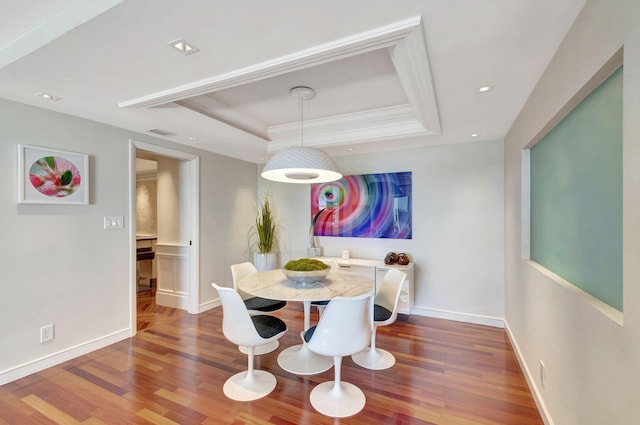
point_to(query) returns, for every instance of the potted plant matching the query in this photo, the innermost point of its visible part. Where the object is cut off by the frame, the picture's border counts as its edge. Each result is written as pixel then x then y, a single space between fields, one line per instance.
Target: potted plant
pixel 264 241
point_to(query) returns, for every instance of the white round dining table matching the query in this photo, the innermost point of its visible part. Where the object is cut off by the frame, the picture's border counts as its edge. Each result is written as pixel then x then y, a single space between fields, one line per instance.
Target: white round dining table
pixel 274 285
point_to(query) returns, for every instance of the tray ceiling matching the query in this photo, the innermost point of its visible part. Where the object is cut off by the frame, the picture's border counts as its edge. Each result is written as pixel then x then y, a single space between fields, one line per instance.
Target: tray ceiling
pixel 386 78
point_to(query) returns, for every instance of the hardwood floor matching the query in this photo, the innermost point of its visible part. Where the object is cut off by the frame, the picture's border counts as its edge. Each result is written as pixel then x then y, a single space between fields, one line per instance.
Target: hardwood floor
pixel 173 370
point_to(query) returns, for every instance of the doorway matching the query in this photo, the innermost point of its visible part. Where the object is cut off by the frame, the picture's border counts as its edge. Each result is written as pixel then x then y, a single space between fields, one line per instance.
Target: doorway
pixel 146 225
pixel 177 243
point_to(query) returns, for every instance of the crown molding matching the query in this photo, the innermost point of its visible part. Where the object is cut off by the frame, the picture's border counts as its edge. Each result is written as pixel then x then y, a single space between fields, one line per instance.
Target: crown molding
pixel 405 43
pixel 382 37
pixel 372 125
pixel 146 169
pixel 142 176
pixel 411 61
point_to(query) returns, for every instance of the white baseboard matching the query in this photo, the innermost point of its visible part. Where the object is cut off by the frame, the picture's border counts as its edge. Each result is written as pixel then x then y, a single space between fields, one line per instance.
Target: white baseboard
pixel 172 299
pixel 209 305
pixel 535 391
pixel 459 317
pixel 498 323
pixel 37 365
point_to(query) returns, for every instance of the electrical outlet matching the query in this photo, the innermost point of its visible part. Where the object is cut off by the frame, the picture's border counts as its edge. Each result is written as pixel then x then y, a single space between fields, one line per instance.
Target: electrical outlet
pixel 46 333
pixel 543 375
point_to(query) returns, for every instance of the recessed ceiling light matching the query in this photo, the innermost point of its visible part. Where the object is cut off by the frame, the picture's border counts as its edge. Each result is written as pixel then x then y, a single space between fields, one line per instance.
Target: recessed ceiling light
pixel 183 46
pixel 49 97
pixel 193 139
pixel 474 135
pixel 349 149
pixel 484 89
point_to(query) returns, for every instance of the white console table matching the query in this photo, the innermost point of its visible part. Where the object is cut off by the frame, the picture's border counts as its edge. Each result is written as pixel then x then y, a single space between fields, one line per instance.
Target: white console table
pixel 376 269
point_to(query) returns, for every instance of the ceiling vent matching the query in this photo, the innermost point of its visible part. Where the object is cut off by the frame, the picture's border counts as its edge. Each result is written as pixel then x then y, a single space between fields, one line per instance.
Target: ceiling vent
pixel 161 132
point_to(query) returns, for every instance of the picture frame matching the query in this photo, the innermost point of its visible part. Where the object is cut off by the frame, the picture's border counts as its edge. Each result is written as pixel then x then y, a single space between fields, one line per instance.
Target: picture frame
pixel 364 206
pixel 52 176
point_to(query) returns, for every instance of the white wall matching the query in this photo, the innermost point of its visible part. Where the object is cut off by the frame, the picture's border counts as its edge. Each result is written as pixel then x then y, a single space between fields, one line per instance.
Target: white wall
pixel 59 266
pixel 592 362
pixel 458 229
pixel 227 210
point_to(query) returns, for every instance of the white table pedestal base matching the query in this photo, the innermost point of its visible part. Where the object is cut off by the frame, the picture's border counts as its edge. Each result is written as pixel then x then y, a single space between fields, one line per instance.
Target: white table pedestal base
pixel 300 360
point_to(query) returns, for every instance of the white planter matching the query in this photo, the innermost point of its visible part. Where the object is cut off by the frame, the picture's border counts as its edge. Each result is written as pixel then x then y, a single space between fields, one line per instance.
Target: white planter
pixel 264 262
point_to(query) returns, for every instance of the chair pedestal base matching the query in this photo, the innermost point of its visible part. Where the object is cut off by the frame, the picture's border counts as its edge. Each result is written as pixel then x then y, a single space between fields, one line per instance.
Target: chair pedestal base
pixel 346 400
pixel 302 361
pixel 242 387
pixel 375 359
pixel 261 349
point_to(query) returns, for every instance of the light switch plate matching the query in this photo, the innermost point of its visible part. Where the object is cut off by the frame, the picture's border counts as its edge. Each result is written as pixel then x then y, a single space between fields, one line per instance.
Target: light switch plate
pixel 114 222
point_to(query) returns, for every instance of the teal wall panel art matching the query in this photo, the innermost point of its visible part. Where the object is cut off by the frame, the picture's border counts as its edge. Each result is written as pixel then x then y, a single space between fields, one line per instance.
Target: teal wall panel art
pixel 576 195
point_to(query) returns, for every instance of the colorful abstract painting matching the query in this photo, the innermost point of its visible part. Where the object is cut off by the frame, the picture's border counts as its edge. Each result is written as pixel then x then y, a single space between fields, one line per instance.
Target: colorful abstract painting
pixel 363 206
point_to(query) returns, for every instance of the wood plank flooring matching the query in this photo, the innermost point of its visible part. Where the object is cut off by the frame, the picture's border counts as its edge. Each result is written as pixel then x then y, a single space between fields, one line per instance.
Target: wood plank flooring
pixel 172 373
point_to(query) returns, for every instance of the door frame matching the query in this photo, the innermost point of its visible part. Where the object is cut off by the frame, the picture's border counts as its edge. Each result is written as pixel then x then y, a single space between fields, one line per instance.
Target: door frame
pixel 193 200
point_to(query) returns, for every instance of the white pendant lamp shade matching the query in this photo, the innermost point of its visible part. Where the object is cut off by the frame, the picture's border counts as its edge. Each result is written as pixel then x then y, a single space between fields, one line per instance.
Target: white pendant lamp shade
pixel 301 164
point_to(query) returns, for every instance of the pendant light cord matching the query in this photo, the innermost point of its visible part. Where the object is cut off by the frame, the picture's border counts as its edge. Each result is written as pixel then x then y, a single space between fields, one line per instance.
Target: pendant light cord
pixel 303 93
pixel 301 113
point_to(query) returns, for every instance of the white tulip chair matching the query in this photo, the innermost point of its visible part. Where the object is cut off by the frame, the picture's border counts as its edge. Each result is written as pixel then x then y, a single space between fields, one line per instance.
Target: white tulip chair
pixel 239 327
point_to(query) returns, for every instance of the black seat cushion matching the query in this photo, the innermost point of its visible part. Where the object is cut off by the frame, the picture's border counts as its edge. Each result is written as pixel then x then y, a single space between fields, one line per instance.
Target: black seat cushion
pixel 268 326
pixel 380 314
pixel 264 304
pixel 323 302
pixel 309 333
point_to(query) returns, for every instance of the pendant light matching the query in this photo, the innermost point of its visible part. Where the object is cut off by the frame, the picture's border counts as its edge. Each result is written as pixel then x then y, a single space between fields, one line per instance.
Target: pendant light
pixel 301 164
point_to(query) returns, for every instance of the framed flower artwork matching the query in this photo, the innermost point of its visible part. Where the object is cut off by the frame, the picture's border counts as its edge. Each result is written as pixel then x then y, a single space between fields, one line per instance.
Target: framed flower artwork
pixel 48 176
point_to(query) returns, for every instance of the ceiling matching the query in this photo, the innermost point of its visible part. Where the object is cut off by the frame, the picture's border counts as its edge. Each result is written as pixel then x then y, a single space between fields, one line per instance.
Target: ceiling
pixel 386 77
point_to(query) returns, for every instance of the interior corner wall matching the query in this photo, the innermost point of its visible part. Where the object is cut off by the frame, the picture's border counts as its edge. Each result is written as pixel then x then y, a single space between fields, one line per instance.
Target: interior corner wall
pixel 591 361
pixel 170 215
pixel 457 243
pixel 59 265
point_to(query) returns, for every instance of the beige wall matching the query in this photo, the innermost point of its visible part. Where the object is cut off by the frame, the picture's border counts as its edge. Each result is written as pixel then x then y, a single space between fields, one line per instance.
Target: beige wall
pixel 146 207
pixel 173 217
pixel 591 357
pixel 59 265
